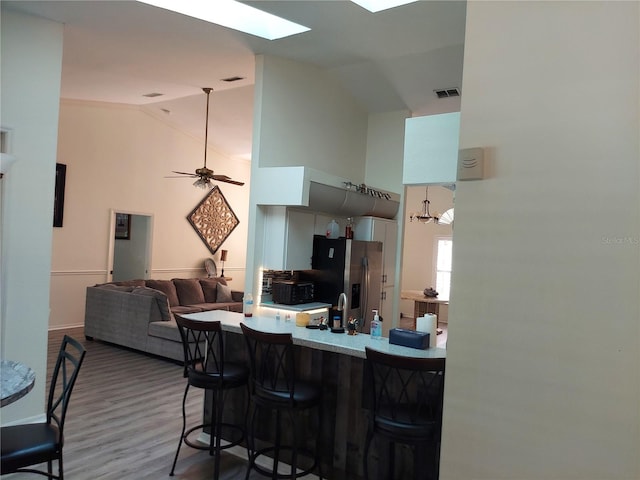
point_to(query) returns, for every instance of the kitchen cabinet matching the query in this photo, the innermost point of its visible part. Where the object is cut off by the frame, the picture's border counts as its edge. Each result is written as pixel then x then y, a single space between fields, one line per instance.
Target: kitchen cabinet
pixel 288 239
pixel 385 231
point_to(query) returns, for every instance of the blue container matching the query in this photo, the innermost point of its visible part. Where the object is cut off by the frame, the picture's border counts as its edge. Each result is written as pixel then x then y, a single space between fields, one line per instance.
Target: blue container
pixel 409 338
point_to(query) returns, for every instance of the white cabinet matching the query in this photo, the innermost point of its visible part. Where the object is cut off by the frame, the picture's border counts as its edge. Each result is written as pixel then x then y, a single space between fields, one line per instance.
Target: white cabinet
pixel 385 231
pixel 288 239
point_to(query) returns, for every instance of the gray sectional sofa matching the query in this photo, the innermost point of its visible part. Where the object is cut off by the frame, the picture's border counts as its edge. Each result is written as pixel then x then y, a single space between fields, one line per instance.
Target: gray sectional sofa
pixel 139 314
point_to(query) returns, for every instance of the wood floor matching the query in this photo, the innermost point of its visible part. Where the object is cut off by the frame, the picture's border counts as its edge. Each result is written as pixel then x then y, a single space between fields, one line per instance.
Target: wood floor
pixel 124 419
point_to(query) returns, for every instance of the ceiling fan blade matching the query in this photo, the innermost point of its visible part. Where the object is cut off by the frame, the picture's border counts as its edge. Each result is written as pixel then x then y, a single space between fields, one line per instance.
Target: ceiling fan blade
pixel 185 173
pixel 226 179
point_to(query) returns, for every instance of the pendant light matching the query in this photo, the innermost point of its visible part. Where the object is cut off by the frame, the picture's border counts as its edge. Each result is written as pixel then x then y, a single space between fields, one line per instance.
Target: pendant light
pixel 425 216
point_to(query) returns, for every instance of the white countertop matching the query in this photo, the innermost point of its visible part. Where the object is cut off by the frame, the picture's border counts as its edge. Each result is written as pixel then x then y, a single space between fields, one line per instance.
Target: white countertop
pixel 319 339
pixel 301 307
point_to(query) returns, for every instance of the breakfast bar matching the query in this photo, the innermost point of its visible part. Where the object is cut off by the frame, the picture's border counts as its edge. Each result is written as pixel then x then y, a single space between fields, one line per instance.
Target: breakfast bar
pixel 335 360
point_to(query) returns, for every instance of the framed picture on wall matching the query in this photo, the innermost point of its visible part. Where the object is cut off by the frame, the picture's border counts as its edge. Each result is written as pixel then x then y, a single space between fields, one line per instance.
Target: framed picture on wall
pixel 123 226
pixel 58 197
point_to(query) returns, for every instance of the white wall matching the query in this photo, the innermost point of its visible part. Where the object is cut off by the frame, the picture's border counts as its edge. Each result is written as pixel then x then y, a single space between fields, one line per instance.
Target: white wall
pixel 302 117
pixel 117 158
pixel 31 59
pixel 385 150
pixel 306 118
pixel 544 337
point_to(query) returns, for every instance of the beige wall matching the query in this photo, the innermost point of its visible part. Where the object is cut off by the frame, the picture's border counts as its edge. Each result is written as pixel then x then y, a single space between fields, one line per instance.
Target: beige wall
pixel 544 333
pixel 117 157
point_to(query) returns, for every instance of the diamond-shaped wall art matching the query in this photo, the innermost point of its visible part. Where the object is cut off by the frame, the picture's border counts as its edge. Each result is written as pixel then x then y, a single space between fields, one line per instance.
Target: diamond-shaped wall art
pixel 213 220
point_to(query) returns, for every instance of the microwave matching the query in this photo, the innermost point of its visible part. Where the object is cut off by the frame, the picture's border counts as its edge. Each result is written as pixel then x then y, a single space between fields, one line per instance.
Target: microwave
pixel 292 292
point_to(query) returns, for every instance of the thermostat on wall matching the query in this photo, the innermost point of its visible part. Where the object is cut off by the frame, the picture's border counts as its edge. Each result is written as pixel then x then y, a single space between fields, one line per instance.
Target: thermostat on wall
pixel 471 164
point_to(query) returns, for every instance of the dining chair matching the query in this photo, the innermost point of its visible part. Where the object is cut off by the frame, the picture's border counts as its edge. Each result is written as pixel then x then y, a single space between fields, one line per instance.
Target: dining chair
pixel 406 397
pixel 205 367
pixel 27 445
pixel 274 386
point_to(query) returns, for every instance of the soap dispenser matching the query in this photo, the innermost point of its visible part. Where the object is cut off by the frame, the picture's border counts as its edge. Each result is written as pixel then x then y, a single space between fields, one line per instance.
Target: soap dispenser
pixel 376 326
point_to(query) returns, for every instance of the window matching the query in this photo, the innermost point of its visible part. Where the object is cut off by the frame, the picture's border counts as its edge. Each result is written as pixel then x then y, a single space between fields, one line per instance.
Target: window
pixel 444 248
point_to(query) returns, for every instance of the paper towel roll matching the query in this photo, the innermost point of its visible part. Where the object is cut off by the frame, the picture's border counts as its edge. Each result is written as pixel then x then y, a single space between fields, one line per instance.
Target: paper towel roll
pixel 428 324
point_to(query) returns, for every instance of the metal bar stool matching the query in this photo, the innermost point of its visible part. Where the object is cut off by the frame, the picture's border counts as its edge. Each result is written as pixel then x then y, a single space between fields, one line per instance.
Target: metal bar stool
pixel 273 386
pixel 407 397
pixel 205 367
pixel 29 444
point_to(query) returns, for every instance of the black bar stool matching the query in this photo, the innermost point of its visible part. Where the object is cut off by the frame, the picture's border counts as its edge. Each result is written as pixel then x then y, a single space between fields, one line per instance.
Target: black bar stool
pixel 205 367
pixel 407 397
pixel 30 444
pixel 274 386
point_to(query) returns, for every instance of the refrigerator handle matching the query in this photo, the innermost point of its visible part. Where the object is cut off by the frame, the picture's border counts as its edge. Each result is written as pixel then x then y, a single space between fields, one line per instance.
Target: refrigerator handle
pixel 365 293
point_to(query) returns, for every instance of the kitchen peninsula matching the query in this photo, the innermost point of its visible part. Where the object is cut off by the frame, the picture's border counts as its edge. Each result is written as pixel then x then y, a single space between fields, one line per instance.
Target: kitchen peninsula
pixel 332 359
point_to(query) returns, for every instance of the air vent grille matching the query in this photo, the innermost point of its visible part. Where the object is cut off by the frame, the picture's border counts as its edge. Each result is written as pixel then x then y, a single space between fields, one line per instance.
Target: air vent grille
pixel 447 92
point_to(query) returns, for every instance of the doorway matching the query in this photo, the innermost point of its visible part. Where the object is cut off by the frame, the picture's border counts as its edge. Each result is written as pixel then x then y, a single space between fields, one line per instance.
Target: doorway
pixel 129 245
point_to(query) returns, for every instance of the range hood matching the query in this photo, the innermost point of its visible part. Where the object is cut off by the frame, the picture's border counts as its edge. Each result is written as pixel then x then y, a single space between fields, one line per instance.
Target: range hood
pixel 306 188
pixel 349 202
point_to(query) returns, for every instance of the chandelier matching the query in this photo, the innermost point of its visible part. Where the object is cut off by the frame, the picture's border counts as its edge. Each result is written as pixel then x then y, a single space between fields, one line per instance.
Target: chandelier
pixel 425 215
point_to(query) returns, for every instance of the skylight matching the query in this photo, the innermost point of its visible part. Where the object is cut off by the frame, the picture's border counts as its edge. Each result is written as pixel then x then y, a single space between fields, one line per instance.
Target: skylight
pixel 378 5
pixel 232 14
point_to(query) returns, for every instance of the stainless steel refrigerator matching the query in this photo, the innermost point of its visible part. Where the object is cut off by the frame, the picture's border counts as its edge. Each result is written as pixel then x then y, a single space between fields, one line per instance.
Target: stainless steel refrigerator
pixel 350 266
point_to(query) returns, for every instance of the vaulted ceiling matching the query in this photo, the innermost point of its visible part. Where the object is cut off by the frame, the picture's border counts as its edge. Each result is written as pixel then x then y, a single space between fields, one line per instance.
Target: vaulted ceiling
pixel 119 51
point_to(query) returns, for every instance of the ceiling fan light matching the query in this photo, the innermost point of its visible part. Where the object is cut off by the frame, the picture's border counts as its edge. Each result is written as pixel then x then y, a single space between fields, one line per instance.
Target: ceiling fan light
pixel 203 183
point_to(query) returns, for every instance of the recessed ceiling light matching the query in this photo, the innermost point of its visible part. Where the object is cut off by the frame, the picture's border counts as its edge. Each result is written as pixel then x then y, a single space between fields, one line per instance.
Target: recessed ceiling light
pixel 232 14
pixel 378 5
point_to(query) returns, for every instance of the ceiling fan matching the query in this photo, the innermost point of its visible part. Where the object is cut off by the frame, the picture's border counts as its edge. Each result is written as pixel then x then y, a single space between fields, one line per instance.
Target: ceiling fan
pixel 205 175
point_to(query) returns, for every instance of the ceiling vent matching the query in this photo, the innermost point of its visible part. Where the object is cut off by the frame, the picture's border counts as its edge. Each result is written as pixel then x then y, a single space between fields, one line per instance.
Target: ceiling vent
pixel 447 92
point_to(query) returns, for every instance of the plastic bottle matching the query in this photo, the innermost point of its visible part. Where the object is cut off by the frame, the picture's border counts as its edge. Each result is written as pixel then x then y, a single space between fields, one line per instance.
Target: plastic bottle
pixel 348 231
pixel 376 327
pixel 248 305
pixel 333 229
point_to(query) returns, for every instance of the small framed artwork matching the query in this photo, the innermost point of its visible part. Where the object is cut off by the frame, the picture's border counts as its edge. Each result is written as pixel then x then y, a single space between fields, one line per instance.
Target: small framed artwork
pixel 58 197
pixel 123 226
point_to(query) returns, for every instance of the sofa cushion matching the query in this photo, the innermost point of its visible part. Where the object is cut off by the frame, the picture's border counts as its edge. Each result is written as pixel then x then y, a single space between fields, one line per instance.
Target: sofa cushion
pixel 167 330
pixel 189 291
pixel 124 283
pixel 182 309
pixel 167 287
pixel 224 294
pixel 161 299
pixel 117 288
pixel 210 288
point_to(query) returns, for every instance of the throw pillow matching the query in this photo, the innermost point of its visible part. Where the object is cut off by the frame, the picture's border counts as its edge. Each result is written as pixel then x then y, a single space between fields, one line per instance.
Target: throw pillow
pixel 168 288
pixel 189 291
pixel 210 289
pixel 224 293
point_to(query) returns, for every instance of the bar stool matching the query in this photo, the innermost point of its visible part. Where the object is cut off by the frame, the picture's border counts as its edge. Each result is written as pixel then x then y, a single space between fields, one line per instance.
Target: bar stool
pixel 273 385
pixel 406 395
pixel 205 367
